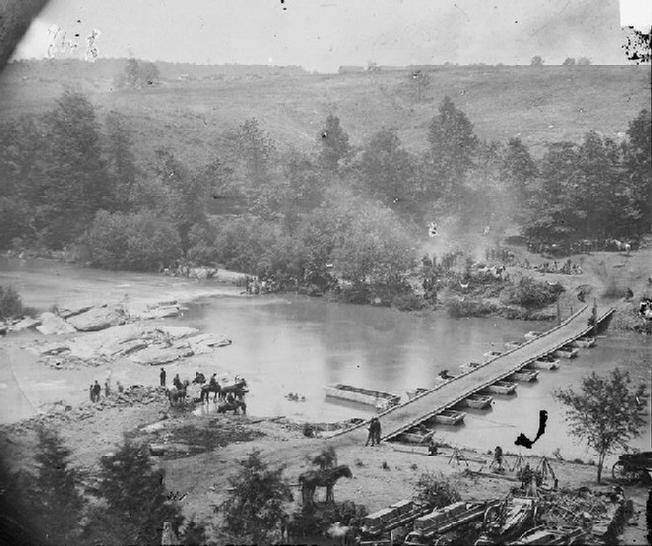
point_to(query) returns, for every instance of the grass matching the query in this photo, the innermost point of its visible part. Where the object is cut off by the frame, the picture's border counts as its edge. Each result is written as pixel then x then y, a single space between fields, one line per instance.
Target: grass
pixel 538 104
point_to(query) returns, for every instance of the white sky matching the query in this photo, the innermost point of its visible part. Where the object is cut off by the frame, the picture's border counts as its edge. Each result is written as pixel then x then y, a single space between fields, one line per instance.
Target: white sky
pixel 323 34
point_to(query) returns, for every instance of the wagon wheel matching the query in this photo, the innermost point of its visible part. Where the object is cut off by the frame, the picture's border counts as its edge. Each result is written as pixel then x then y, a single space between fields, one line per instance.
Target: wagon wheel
pixel 624 475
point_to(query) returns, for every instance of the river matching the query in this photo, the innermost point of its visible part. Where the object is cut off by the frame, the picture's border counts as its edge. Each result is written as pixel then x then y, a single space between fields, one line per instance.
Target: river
pixel 297 344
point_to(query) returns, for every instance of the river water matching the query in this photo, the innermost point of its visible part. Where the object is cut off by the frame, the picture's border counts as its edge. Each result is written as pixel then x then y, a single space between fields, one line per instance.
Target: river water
pixel 297 344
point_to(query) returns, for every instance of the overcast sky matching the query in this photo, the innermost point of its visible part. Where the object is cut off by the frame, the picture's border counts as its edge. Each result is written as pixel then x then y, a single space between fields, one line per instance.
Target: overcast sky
pixel 323 34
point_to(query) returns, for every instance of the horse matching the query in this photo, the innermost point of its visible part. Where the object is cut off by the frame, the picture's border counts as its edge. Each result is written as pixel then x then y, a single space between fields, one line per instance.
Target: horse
pixel 621 245
pixel 233 406
pixel 312 479
pixel 210 388
pixel 239 388
pixel 176 394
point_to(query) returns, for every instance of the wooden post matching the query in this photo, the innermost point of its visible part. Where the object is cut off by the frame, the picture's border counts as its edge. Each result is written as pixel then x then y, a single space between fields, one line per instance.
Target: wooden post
pixel 558 313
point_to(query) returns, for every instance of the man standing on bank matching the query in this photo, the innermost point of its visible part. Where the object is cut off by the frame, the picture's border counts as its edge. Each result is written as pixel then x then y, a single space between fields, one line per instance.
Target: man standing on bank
pixel 162 375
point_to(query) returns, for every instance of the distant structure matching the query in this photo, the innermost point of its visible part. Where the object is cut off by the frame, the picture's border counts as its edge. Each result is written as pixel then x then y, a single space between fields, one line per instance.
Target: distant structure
pixel 350 69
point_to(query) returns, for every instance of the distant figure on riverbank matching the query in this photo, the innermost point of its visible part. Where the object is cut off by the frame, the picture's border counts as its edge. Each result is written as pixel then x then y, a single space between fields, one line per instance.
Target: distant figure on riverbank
pixel 97 390
pixel 90 393
pixel 162 376
pixel 107 389
pixel 498 458
pixel 121 389
pixel 374 432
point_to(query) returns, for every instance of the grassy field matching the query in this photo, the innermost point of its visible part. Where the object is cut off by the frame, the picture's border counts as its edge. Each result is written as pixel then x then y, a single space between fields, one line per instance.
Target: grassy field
pixel 537 104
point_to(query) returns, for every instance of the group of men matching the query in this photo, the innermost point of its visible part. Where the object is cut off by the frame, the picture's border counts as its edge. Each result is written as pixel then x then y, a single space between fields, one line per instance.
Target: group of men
pixel 95 390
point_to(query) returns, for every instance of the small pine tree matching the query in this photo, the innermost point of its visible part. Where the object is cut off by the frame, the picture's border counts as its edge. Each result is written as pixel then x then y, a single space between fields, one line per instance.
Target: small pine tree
pixel 134 498
pixel 54 494
pixel 253 511
pixel 16 513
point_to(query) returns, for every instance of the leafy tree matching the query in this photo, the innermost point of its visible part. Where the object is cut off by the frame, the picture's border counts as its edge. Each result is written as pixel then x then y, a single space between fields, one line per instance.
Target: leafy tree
pixel 549 216
pixel 583 61
pixel 333 142
pixel 121 162
pixel 186 194
pixel 253 510
pixel 592 192
pixel 11 304
pixel 373 249
pixel 569 61
pixel 536 61
pixel 21 176
pixel 518 169
pixel 54 495
pixel 76 180
pixel 386 169
pixel 606 413
pixel 256 149
pixel 638 173
pixel 450 156
pixel 133 500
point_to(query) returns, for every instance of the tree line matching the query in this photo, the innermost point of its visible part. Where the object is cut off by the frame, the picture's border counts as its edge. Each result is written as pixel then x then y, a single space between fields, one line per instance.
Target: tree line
pixel 71 179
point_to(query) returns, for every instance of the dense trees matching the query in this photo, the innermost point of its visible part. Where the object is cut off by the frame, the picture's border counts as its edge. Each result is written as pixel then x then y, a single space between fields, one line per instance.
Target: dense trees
pixel 70 178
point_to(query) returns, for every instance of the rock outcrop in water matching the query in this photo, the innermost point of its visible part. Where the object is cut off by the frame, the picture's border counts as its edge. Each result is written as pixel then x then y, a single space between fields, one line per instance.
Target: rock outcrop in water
pixel 140 342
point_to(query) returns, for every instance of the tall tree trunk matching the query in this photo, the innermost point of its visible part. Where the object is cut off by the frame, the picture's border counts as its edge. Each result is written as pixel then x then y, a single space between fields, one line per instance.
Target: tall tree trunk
pixel 601 457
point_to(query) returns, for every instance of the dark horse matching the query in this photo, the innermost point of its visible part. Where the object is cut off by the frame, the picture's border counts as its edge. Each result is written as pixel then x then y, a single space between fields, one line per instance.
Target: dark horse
pixel 176 394
pixel 312 479
pixel 234 405
pixel 238 389
pixel 206 389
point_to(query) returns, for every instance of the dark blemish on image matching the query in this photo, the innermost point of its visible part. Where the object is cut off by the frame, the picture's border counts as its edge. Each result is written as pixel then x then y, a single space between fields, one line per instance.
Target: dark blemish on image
pixel 638 46
pixel 282 4
pixel 324 134
pixel 524 441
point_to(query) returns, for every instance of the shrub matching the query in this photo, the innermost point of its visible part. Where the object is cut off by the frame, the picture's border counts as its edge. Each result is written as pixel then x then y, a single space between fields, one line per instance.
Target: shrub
pixel 468 308
pixel 10 303
pixel 436 490
pixel 533 294
pixel 408 302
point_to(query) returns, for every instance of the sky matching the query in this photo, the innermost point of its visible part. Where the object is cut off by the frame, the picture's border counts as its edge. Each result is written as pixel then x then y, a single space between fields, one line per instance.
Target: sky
pixel 324 34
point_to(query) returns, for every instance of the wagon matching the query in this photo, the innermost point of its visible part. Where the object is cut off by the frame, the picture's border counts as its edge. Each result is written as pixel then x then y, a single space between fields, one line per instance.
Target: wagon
pixel 631 468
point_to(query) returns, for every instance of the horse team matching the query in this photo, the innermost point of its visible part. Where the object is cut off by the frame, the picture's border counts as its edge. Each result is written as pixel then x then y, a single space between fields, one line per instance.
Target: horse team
pixel 230 397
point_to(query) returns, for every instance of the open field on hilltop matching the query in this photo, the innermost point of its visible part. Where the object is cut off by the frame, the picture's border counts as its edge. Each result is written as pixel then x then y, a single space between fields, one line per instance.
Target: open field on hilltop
pixel 537 104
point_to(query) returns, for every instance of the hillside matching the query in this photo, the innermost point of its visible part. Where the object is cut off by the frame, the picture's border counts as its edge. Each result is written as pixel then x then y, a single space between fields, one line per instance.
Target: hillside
pixel 537 104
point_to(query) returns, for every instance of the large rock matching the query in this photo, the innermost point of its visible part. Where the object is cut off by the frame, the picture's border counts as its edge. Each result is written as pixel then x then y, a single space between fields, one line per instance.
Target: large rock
pixel 147 312
pixel 176 332
pixel 160 354
pixel 72 310
pixel 27 322
pixel 52 324
pixel 98 318
pixel 110 341
pixel 205 343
